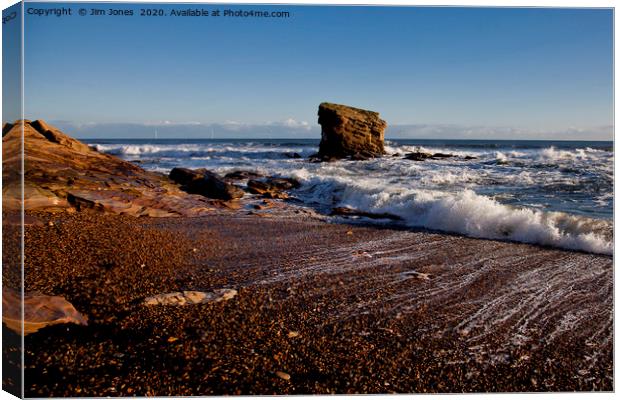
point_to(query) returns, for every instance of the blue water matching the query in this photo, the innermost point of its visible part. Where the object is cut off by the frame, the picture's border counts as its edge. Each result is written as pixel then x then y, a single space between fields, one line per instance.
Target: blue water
pixel 550 192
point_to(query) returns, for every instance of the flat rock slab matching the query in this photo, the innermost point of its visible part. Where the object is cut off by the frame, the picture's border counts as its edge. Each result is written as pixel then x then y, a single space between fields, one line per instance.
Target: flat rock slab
pixel 39 311
pixel 190 297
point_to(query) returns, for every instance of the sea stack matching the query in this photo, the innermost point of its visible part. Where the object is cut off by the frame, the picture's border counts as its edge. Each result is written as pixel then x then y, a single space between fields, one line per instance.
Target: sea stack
pixel 348 132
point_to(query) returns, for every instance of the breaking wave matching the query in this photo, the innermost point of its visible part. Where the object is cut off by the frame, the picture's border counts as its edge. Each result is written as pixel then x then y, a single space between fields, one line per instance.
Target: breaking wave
pixel 200 150
pixel 468 213
pixel 553 194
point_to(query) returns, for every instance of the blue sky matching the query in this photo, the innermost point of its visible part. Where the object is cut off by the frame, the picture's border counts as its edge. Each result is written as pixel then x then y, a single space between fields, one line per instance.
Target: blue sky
pixel 431 72
pixel 11 66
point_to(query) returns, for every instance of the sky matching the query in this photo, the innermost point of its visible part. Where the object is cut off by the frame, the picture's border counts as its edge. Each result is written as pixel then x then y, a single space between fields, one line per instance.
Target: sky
pixel 11 63
pixel 462 73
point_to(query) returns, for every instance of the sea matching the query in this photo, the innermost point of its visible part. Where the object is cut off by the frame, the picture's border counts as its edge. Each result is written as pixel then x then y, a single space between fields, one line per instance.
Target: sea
pixel 550 193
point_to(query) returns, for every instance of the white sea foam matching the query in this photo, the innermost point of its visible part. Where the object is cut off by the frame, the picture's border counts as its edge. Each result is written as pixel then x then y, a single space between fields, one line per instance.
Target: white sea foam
pixel 505 193
pixel 183 150
pixel 501 156
pixel 553 154
pixel 450 177
pixel 467 213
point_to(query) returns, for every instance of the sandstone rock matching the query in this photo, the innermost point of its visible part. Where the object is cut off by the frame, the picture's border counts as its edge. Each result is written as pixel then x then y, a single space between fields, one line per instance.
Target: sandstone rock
pixel 54 135
pixel 190 297
pixel 284 183
pixel 39 311
pixel 241 175
pixel 350 132
pixel 283 375
pixel 205 183
pixel 265 189
pixel 272 188
pixel 6 127
pixel 61 173
pixel 185 176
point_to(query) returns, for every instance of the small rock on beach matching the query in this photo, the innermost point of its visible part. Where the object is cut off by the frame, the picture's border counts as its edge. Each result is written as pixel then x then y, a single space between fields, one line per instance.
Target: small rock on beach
pixel 190 297
pixel 283 375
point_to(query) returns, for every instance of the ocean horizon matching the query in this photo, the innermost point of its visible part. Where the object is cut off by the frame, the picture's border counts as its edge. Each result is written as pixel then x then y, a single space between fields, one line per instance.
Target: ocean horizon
pixel 556 193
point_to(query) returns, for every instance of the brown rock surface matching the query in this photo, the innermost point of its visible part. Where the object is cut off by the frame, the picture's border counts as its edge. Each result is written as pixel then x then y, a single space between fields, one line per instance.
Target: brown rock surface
pixel 350 132
pixel 39 311
pixel 62 173
pixel 272 188
pixel 241 175
pixel 205 183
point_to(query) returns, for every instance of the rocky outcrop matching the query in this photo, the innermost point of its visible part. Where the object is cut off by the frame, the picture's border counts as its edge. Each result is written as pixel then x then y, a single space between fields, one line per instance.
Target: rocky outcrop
pixel 272 188
pixel 55 136
pixel 6 127
pixel 421 156
pixel 242 175
pixel 62 173
pixel 348 132
pixel 205 183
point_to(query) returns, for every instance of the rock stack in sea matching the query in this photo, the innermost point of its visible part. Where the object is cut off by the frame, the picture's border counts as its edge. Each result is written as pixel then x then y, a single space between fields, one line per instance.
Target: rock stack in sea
pixel 348 132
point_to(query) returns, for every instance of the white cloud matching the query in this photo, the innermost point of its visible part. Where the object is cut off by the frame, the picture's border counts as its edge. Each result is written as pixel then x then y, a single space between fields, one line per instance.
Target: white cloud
pixel 292 123
pixel 291 128
pixel 454 131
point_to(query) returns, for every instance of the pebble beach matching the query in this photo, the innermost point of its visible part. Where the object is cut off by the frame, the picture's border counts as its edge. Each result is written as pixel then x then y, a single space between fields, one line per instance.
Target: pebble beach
pixel 321 308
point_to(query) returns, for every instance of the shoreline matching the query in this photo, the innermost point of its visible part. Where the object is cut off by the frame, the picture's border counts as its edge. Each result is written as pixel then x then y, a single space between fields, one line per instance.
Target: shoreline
pixel 467 190
pixel 188 285
pixel 376 310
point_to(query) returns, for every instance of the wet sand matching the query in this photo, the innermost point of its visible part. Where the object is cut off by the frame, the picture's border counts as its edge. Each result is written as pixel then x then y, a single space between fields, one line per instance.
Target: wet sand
pixel 334 308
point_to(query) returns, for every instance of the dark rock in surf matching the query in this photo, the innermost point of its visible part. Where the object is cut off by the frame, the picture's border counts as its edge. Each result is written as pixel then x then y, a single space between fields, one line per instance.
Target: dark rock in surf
pixel 348 132
pixel 205 183
pixel 284 183
pixel 292 155
pixel 317 158
pixel 418 156
pixel 442 155
pixel 273 188
pixel 265 190
pixel 421 156
pixel 184 176
pixel 241 175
